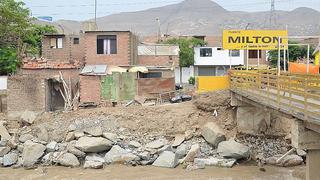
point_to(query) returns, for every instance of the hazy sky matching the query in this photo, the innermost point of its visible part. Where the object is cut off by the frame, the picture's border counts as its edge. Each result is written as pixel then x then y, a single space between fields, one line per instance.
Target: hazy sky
pixel 84 9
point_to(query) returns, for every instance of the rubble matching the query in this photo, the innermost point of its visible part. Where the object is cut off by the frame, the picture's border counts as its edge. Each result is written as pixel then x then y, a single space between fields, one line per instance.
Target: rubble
pixel 25 137
pixel 93 165
pixel 4 151
pixel 28 117
pixel 193 152
pixel 4 132
pixel 10 159
pixel 156 144
pixel 178 140
pixel 32 152
pixel 68 160
pixel 166 159
pixel 219 162
pixel 93 144
pixel 119 155
pixel 287 161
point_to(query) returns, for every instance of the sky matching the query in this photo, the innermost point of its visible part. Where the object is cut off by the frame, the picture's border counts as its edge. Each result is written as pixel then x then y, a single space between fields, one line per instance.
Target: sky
pixel 84 9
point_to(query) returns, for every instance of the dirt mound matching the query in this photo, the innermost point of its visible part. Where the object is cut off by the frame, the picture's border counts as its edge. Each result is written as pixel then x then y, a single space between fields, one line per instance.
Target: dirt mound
pixel 212 101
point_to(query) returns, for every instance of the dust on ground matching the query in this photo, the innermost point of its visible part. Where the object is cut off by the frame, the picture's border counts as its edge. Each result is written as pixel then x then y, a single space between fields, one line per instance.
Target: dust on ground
pixel 120 172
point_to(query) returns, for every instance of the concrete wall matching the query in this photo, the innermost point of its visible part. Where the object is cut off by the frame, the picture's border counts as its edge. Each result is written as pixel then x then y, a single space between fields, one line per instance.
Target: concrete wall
pixel 124 49
pixel 183 74
pixel 155 85
pixel 90 89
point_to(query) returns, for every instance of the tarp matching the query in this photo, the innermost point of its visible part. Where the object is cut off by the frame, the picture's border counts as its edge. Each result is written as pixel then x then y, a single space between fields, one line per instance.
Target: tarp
pixel 302 68
pixel 112 69
pixel 158 50
pixel 94 70
pixel 139 69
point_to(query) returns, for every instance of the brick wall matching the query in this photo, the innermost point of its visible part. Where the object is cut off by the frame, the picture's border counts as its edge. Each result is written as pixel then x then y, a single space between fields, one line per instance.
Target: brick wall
pixel 25 93
pixel 158 60
pixel 68 53
pixel 155 85
pixel 90 89
pixel 124 48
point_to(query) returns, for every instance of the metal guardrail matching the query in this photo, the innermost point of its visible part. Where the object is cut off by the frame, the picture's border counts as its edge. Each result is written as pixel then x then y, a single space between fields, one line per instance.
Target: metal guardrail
pixel 294 94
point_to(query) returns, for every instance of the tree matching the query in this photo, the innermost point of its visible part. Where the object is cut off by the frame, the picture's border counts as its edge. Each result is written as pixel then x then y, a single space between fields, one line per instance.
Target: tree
pixel 18 35
pixel 295 53
pixel 186 46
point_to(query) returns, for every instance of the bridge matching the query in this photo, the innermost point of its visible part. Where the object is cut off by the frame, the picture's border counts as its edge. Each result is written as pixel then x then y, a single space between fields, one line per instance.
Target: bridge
pixel 292 95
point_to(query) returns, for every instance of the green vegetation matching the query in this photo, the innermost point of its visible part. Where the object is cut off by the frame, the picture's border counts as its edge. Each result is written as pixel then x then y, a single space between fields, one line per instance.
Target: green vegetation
pixel 186 46
pixel 18 35
pixel 192 80
pixel 295 53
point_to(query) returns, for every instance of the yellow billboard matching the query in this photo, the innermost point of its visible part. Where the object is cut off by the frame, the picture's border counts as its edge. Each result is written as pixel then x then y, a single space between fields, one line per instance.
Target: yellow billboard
pixel 254 39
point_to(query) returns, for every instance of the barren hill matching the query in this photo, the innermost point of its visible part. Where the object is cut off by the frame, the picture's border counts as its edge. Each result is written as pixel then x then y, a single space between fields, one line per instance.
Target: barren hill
pixel 203 17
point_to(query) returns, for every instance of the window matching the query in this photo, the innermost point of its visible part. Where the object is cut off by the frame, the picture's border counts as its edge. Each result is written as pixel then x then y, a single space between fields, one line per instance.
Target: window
pixel 56 43
pixel 107 44
pixel 150 75
pixel 254 53
pixel 206 52
pixel 76 40
pixel 206 71
pixel 234 53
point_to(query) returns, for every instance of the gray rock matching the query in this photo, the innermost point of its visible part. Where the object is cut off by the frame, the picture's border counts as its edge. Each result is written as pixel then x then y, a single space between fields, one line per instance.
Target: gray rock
pixel 42 134
pixel 4 132
pixel 4 151
pixel 68 160
pixel 196 166
pixel 233 149
pixel 166 159
pixel 188 135
pixel 25 137
pixel 52 146
pixel 178 140
pixel 301 153
pixel 145 155
pixel 28 117
pixel 219 162
pixel 181 151
pixel 94 131
pixel 93 144
pixel 193 153
pixel 288 161
pixel 31 153
pixel 1 161
pixel 10 159
pixel 74 150
pixel 20 148
pixel 134 144
pixel 157 144
pixel 70 136
pixel 3 142
pixel 118 155
pixel 111 136
pixel 213 134
pixel 78 134
pixel 93 165
pixel 94 158
pixel 165 148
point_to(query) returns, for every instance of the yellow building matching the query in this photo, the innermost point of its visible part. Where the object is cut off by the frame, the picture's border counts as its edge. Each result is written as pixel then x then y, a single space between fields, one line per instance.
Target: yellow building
pixel 317 55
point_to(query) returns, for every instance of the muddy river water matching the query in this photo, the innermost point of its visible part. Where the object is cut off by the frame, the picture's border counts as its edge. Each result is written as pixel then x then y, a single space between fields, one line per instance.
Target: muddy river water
pixel 119 172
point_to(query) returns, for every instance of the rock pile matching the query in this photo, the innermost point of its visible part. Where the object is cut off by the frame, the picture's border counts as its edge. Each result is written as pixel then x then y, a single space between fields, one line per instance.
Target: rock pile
pixel 94 147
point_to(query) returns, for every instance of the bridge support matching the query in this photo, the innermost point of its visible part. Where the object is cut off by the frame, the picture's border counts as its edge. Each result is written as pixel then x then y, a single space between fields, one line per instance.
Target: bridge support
pixel 313 164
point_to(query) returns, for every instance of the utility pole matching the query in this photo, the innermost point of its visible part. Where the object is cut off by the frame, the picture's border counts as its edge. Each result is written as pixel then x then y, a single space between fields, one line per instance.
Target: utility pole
pixel 272 18
pixel 95 12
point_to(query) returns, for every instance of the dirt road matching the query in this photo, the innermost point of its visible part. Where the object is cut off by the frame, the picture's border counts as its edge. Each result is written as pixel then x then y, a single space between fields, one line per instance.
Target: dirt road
pixel 118 172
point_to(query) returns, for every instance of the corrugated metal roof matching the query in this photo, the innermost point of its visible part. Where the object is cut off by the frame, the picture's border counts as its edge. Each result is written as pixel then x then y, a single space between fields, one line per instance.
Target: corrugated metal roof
pixel 94 70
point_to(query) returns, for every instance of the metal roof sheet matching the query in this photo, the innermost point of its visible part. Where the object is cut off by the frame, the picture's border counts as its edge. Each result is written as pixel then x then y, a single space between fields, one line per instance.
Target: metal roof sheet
pixel 94 70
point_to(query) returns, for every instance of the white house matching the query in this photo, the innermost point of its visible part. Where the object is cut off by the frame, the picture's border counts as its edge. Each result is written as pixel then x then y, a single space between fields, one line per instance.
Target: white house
pixel 215 61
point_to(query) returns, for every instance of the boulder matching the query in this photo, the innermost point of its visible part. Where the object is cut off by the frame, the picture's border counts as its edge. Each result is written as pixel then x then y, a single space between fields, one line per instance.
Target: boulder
pixel 78 134
pixel 233 149
pixel 193 153
pixel 119 155
pixel 93 165
pixel 301 153
pixel 213 134
pixel 28 117
pixel 93 144
pixel 287 161
pixel 25 137
pixel 52 146
pixel 157 144
pixel 164 148
pixel 10 159
pixel 74 150
pixel 219 162
pixel 95 158
pixel 4 151
pixel 111 136
pixel 181 151
pixel 70 136
pixel 94 131
pixel 68 160
pixel 31 153
pixel 145 155
pixel 134 144
pixel 166 159
pixel 1 161
pixel 178 140
pixel 4 134
pixel 42 134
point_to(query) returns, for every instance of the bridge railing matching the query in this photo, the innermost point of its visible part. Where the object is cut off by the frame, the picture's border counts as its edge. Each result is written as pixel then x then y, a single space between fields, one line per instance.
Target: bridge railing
pixel 295 94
